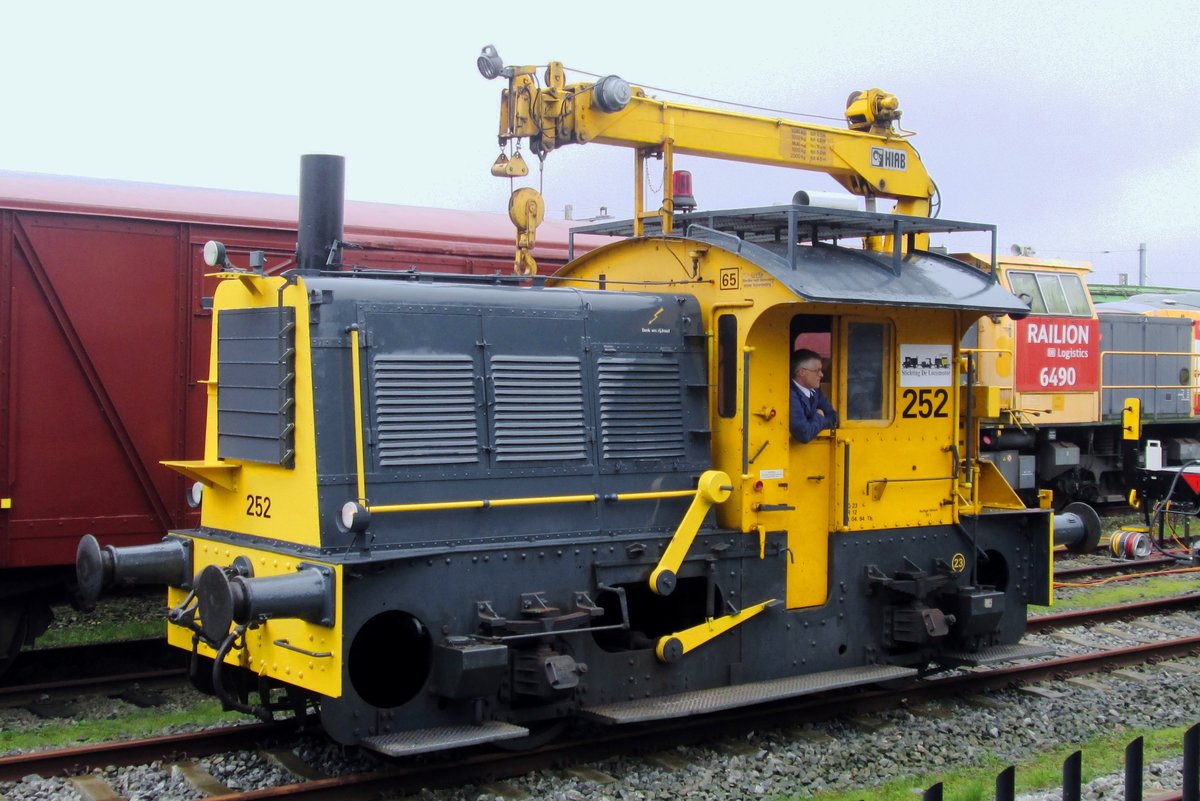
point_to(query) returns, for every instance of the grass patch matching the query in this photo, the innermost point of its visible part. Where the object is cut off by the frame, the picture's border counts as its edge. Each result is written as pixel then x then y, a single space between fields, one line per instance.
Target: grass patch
pixel 142 723
pixel 1101 756
pixel 115 618
pixel 109 631
pixel 1124 592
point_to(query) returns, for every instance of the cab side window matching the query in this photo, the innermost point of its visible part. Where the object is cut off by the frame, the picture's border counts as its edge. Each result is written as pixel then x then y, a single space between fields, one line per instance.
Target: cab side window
pixel 815 332
pixel 868 345
pixel 1051 293
pixel 727 365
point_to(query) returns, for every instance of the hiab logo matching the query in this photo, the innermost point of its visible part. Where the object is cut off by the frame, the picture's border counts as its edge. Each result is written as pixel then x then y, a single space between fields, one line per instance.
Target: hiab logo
pixel 886 158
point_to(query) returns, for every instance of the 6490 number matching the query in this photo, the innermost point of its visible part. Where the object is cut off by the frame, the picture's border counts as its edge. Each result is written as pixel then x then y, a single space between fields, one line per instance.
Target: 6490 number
pixel 1057 376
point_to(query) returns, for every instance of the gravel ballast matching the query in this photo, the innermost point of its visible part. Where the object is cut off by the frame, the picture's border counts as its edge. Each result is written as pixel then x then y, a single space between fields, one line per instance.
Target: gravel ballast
pixel 918 743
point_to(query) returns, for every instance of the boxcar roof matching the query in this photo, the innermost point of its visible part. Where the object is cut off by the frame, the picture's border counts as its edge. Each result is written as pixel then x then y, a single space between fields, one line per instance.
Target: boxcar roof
pixel 114 198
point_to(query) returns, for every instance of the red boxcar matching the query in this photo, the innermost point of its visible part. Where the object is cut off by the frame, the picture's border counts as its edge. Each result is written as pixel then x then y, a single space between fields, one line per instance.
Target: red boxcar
pixel 104 341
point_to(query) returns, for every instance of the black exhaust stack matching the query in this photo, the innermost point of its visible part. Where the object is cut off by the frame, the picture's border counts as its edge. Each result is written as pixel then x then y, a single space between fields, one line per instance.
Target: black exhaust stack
pixel 322 202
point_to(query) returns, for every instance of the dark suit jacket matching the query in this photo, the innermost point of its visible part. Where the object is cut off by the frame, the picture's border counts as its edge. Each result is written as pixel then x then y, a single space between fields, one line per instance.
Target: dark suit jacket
pixel 805 422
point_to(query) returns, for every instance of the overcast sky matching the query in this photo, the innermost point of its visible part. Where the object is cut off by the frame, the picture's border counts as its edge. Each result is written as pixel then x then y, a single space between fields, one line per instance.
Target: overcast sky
pixel 1071 126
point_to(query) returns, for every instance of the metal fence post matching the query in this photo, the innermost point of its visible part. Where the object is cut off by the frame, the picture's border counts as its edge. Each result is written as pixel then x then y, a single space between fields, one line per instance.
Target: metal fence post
pixel 1191 764
pixel 1072 773
pixel 1006 784
pixel 1134 753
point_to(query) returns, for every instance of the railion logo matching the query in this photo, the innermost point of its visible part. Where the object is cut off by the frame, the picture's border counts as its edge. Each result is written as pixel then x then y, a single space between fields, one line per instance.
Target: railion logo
pixel 1058 333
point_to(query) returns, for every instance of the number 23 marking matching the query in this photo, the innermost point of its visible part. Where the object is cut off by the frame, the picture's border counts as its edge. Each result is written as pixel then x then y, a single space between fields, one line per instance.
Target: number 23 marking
pixel 921 403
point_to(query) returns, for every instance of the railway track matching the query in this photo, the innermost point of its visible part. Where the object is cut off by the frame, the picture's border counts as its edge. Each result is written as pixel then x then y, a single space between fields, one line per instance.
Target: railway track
pixel 92 669
pixel 1074 572
pixel 183 750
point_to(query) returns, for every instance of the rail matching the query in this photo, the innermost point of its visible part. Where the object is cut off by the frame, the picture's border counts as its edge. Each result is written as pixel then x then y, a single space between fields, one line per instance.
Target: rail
pixel 486 503
pixel 1010 352
pixel 1184 384
pixel 1105 366
pixel 475 503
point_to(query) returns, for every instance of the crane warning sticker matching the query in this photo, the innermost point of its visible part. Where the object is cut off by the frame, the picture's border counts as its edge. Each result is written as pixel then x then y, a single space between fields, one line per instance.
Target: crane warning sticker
pixel 1057 354
pixel 924 365
pixel 887 158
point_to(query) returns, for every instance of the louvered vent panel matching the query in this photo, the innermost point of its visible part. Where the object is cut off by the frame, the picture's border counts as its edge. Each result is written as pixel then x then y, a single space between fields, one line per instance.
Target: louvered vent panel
pixel 539 409
pixel 641 411
pixel 425 410
pixel 256 377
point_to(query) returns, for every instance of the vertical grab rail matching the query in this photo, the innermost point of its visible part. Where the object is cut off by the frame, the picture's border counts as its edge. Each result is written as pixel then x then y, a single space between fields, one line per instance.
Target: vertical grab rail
pixel 359 456
pixel 746 410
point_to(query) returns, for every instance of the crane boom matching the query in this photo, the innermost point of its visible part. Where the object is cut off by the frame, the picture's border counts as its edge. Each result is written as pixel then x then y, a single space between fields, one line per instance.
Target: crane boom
pixel 870 158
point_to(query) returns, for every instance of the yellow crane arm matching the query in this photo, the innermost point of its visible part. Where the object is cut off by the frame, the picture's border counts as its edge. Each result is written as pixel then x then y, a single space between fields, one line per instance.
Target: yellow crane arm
pixel 869 158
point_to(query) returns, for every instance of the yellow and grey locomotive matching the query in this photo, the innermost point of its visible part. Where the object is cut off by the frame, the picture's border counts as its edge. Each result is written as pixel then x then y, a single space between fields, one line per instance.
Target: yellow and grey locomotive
pixel 452 510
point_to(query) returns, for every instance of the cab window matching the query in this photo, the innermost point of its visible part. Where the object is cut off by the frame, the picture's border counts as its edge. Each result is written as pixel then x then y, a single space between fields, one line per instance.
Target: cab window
pixel 727 367
pixel 868 345
pixel 1051 293
pixel 815 332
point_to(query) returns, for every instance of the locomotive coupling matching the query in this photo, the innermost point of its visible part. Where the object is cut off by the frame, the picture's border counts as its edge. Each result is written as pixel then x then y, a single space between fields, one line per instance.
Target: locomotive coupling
pixel 1078 528
pixel 166 562
pixel 223 599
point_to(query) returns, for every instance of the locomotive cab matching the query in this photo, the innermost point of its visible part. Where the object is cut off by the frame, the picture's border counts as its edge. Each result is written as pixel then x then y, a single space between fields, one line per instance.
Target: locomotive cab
pixel 886 517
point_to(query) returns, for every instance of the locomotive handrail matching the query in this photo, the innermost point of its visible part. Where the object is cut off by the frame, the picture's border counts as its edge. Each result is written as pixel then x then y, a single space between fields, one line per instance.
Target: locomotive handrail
pixel 356 380
pixel 885 481
pixel 1009 352
pixel 746 351
pixel 486 503
pixel 1156 355
pixel 1149 386
pixel 481 503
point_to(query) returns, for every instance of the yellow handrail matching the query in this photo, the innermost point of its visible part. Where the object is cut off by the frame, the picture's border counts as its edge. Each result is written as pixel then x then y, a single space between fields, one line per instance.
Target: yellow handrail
pixel 481 503
pixel 358 424
pixel 485 503
pixel 1184 353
